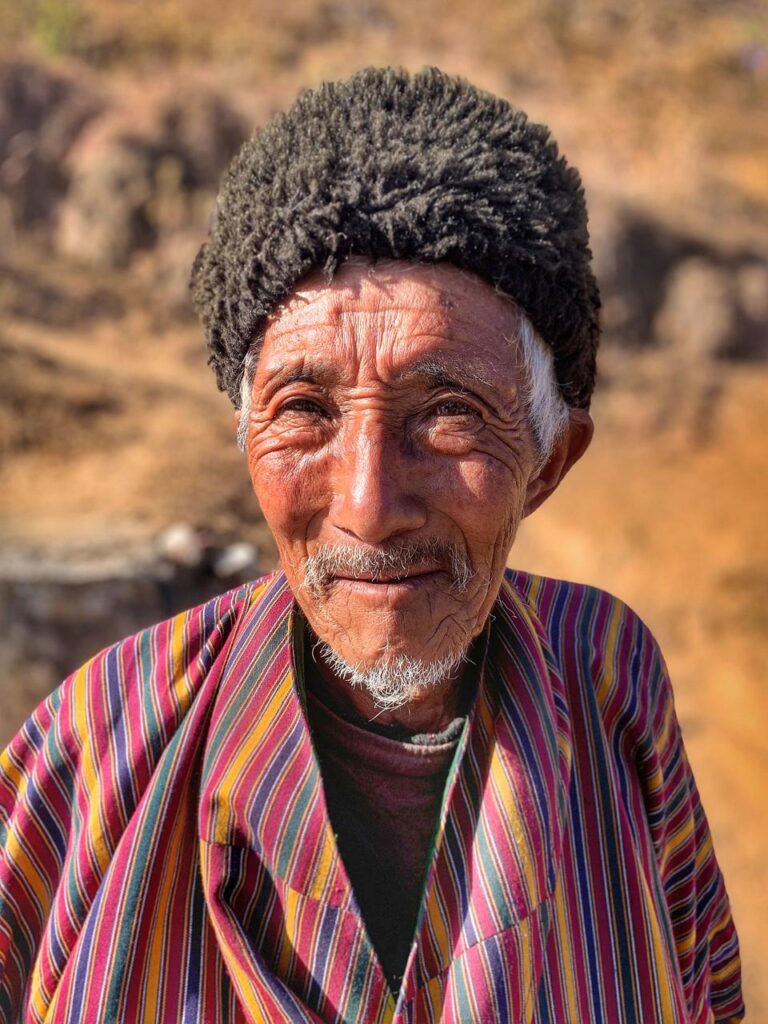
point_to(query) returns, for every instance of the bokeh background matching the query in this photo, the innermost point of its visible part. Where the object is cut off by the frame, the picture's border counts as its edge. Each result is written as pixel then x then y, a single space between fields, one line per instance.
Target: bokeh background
pixel 122 495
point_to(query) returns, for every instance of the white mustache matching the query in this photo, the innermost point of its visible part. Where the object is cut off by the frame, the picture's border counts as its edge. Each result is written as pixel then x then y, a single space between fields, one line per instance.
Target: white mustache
pixel 352 560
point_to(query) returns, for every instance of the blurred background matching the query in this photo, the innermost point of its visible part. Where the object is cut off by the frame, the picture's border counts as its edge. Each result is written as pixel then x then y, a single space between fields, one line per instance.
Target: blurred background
pixel 122 495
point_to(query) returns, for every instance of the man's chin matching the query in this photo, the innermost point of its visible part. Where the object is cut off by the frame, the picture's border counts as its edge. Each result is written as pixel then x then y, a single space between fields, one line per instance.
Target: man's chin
pixel 385 635
pixel 392 680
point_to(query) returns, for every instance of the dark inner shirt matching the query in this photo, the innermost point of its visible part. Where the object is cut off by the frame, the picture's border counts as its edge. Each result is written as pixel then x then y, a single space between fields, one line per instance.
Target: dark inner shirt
pixel 384 797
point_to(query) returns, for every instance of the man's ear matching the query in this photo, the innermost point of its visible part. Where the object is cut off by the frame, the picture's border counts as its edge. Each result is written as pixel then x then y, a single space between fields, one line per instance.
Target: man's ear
pixel 236 421
pixel 568 449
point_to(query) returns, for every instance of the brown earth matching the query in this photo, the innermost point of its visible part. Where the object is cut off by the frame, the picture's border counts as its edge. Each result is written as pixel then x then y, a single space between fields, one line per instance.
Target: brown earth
pixel 110 425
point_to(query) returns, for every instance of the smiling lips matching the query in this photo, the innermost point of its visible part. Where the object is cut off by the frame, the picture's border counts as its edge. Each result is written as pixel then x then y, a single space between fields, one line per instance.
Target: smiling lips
pixel 384 580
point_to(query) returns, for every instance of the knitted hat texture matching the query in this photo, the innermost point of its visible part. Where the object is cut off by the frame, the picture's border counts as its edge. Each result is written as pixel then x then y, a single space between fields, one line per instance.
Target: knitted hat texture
pixel 421 167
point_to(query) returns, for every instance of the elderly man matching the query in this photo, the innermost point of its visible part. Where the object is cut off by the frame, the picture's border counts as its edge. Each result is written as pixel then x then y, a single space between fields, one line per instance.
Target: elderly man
pixel 393 781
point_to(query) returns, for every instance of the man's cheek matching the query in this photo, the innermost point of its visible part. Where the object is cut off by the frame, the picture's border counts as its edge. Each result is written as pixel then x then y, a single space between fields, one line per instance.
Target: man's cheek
pixel 486 504
pixel 288 494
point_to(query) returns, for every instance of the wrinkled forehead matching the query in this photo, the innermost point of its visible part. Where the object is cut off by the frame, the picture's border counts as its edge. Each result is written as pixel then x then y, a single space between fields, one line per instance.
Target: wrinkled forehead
pixel 392 312
pixel 359 283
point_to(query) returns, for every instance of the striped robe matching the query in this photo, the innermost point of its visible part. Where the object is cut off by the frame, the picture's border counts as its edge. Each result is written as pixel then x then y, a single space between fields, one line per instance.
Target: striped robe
pixel 167 852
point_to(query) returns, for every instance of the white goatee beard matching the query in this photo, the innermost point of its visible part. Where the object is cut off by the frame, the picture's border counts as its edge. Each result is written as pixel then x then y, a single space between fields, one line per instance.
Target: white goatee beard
pixel 393 681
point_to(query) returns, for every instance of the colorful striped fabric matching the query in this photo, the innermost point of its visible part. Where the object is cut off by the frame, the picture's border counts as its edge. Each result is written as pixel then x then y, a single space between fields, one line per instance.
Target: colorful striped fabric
pixel 167 853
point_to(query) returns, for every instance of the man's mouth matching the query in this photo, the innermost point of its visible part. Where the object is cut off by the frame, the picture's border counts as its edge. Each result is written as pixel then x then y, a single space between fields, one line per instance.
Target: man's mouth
pixel 412 578
pixel 398 570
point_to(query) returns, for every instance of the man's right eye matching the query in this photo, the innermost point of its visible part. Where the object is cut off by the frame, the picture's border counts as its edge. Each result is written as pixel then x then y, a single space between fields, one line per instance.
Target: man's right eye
pixel 301 405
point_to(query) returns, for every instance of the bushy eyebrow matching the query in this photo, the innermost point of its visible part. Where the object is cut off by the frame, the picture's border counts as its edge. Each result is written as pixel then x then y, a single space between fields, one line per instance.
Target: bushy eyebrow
pixel 448 374
pixel 435 372
pixel 302 373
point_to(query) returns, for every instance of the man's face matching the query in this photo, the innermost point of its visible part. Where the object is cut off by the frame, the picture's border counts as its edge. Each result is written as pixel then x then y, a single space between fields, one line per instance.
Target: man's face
pixel 389 449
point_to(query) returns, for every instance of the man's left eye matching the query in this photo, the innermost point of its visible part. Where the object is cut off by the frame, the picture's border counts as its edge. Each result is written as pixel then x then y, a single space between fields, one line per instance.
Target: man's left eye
pixel 454 407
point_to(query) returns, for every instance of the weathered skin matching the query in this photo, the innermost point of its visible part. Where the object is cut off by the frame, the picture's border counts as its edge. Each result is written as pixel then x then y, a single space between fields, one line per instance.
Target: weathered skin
pixel 387 407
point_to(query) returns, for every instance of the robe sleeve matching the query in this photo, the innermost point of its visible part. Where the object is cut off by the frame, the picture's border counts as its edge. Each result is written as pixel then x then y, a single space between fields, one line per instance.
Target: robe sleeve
pixel 34 824
pixel 703 929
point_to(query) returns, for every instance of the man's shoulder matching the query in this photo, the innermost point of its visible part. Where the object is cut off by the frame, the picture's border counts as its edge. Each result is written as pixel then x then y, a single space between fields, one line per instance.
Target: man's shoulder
pixel 601 648
pixel 124 705
pixel 547 596
pixel 160 668
pixel 589 626
pixel 186 633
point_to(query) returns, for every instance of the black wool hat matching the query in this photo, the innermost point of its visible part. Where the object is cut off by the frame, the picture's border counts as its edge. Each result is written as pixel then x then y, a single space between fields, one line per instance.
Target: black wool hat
pixel 420 167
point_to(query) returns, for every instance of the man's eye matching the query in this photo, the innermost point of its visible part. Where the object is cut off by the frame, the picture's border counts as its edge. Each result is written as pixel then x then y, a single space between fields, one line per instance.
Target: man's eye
pixel 454 407
pixel 301 405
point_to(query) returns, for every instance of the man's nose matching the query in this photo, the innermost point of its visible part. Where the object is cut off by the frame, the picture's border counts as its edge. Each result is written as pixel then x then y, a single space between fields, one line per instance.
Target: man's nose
pixel 375 485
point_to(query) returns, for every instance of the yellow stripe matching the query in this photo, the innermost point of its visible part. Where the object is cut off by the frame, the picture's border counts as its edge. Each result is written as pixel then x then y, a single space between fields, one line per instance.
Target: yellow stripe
pixel 25 867
pixel 508 803
pixel 662 740
pixel 157 951
pixel 436 925
pixel 325 865
pixel 535 589
pixel 704 851
pixel 18 778
pixel 91 774
pixel 658 949
pixel 607 680
pixel 526 946
pixel 292 904
pixel 235 772
pixel 181 688
pixel 564 942
pixel 676 841
pixel 435 995
pixel 40 995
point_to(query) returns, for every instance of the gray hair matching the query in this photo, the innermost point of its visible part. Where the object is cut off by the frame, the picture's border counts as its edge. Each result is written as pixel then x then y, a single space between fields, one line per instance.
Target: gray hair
pixel 545 407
